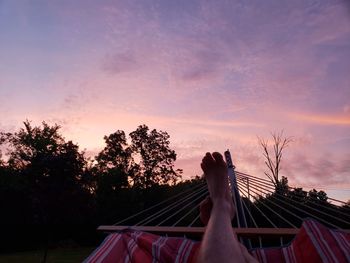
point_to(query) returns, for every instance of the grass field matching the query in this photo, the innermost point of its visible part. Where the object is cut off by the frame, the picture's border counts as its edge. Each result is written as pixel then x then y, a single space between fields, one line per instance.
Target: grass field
pixel 60 255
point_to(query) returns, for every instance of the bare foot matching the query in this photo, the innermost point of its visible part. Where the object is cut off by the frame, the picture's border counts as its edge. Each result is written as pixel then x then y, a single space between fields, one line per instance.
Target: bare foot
pixel 215 172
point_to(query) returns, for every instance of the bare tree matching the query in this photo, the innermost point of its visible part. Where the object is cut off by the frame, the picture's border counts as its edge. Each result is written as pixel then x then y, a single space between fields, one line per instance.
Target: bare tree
pixel 273 157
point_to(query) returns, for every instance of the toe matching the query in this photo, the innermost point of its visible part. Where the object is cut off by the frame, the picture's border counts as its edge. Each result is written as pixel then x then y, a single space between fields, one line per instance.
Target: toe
pixel 207 160
pixel 218 157
pixel 208 157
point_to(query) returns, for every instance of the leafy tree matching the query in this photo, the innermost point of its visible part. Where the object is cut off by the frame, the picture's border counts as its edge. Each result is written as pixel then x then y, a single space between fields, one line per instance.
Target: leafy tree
pixel 113 162
pixel 111 172
pixel 282 186
pixel 156 159
pixel 317 196
pixel 298 195
pixel 51 170
pixel 121 170
pixel 31 143
pixel 43 182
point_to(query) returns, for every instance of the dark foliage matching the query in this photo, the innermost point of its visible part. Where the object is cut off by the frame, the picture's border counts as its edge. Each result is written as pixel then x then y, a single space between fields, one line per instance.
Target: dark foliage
pixel 295 205
pixel 156 165
pixel 50 191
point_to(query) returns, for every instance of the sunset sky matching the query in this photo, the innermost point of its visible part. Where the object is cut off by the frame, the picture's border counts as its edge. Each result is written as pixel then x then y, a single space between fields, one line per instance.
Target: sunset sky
pixel 213 74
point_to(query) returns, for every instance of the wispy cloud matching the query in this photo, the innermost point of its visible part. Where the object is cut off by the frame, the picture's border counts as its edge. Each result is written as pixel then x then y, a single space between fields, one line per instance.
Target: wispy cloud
pixel 119 63
pixel 339 119
pixel 327 169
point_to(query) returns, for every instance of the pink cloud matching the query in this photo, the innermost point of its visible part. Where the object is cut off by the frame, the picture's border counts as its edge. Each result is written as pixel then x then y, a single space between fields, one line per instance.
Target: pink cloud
pixel 214 75
pixel 319 119
pixel 327 169
pixel 120 63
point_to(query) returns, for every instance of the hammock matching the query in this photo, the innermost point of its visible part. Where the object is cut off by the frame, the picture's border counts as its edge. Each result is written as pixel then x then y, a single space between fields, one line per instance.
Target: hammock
pixel 313 243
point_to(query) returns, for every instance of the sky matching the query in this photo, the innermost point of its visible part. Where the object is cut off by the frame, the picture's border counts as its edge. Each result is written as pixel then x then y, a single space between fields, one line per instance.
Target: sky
pixel 214 74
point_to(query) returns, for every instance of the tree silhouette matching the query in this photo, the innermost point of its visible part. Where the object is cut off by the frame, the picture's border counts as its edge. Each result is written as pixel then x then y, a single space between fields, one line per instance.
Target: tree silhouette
pixel 2 141
pixel 44 187
pixel 273 158
pixel 130 173
pixel 51 169
pixel 111 173
pixel 153 158
pixel 317 196
pixel 113 162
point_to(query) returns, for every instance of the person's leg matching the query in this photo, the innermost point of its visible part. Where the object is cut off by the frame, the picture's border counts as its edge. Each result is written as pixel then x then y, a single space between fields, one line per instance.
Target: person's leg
pixel 219 243
pixel 205 209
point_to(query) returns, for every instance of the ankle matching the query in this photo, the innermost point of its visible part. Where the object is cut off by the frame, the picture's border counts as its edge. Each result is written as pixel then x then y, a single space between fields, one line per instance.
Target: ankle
pixel 222 204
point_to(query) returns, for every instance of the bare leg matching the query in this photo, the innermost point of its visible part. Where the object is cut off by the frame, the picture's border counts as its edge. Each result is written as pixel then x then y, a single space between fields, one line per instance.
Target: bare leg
pixel 205 209
pixel 219 243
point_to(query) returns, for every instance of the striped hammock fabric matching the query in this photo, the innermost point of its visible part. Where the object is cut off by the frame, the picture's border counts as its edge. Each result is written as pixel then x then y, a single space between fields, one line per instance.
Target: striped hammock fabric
pixel 313 243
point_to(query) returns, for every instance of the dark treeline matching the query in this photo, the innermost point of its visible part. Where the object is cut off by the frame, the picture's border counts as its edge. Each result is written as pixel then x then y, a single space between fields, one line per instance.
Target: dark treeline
pixel 286 207
pixel 51 192
pixel 294 205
